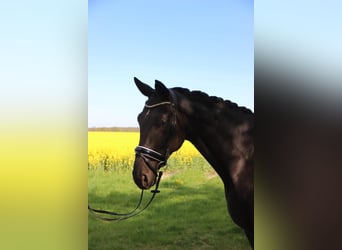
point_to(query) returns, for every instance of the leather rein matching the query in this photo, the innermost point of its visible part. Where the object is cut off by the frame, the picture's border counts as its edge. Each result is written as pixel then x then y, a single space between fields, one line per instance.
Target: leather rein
pixel 146 154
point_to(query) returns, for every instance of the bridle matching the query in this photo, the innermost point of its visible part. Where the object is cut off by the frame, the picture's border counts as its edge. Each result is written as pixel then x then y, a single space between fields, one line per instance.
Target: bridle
pixel 146 154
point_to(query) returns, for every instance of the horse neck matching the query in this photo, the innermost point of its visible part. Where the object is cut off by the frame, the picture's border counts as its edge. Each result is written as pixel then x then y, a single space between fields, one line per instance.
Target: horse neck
pixel 215 136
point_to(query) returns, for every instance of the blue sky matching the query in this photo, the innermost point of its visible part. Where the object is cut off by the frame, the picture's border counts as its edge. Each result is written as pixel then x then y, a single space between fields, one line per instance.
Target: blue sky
pixel 200 45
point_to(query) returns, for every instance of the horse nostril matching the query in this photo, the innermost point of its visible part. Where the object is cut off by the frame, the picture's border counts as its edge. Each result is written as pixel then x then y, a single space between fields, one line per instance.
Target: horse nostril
pixel 144 181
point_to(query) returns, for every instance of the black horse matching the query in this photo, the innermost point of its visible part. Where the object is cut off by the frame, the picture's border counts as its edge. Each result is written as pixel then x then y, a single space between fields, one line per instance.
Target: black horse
pixel 220 130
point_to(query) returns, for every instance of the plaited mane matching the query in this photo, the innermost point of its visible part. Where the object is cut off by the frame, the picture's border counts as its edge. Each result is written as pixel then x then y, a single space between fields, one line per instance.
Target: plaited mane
pixel 204 98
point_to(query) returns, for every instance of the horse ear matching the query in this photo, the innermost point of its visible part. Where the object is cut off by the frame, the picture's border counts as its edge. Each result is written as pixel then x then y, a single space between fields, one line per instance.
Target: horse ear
pixel 143 87
pixel 161 88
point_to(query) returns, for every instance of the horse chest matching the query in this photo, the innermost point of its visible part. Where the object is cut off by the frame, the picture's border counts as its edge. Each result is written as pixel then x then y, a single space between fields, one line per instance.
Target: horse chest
pixel 240 211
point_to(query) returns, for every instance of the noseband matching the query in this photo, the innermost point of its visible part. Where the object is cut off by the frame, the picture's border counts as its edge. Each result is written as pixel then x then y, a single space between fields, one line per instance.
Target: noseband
pixel 147 153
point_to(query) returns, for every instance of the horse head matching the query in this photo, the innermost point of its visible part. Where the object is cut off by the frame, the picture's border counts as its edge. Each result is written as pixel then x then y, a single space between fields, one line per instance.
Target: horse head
pixel 160 132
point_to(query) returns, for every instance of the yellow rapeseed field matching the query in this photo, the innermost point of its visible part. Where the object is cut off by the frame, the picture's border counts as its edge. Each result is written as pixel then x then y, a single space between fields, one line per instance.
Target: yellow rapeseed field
pixel 115 151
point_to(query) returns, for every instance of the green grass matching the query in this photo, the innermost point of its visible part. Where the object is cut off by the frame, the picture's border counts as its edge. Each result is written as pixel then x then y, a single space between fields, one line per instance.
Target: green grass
pixel 189 213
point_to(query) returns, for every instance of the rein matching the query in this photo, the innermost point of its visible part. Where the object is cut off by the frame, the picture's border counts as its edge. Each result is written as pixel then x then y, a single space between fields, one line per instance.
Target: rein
pixel 146 154
pixel 134 212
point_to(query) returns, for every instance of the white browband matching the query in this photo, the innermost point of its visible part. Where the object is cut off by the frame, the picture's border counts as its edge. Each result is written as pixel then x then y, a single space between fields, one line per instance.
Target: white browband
pixel 157 104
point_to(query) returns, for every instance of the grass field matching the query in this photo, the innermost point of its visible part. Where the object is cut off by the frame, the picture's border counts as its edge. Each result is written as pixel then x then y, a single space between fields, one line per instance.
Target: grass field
pixel 189 213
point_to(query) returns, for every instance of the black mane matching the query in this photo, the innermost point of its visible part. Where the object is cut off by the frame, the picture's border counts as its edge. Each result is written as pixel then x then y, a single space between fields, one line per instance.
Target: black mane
pixel 211 100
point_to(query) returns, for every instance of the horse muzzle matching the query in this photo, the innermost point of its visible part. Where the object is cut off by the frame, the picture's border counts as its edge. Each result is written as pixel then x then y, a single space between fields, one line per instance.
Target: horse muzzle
pixel 143 177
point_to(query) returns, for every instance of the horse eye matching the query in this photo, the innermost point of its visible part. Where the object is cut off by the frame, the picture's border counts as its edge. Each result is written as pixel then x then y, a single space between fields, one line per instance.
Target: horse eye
pixel 163 121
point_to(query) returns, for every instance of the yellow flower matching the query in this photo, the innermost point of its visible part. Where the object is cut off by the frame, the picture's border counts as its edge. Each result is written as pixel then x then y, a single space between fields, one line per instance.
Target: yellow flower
pixel 115 151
